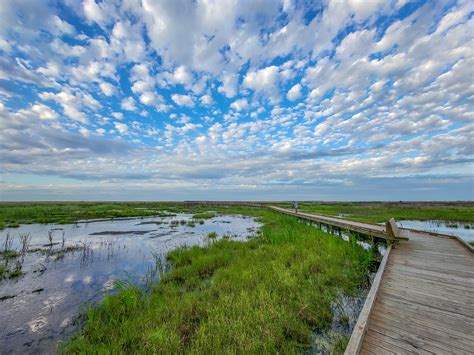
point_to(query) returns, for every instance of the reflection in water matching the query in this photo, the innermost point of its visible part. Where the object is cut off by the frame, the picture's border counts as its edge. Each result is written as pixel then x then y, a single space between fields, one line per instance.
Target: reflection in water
pixel 69 267
pixel 462 230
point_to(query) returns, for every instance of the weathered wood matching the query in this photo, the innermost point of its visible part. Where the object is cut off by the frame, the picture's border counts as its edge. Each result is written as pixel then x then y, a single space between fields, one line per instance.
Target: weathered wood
pixel 372 230
pixel 355 342
pixel 392 229
pixel 425 301
pixel 421 300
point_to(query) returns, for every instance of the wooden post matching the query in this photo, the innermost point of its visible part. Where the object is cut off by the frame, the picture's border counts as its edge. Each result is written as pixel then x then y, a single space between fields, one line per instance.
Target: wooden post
pixel 392 229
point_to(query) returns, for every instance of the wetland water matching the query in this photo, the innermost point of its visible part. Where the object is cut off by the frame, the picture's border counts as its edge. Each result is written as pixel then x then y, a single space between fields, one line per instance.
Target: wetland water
pixel 41 307
pixel 462 230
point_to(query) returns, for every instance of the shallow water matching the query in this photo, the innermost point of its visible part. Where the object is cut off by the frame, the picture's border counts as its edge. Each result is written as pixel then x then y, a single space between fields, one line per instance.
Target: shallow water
pixel 46 300
pixel 462 230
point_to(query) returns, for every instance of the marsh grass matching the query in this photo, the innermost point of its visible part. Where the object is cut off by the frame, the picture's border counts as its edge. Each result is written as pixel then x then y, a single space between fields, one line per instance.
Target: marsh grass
pixel 12 214
pixel 269 294
pixel 380 212
pixel 204 215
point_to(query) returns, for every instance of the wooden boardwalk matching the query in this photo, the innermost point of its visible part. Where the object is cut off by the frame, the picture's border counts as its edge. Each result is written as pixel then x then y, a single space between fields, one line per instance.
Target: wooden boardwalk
pixel 425 300
pixel 374 230
pixel 422 298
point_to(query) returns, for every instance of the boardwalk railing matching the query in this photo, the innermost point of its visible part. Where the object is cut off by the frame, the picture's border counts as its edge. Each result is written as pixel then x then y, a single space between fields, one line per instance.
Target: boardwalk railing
pixel 421 298
pixel 355 342
pixel 373 230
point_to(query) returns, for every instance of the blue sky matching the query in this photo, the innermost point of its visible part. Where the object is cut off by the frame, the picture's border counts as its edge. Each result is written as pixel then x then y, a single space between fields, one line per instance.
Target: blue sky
pixel 258 99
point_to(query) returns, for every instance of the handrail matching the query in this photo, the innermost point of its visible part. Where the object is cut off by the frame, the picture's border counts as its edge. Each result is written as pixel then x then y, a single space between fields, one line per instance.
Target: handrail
pixel 355 342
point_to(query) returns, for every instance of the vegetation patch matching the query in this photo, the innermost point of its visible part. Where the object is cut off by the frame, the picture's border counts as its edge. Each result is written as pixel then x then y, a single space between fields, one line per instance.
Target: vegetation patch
pixel 12 214
pixel 204 215
pixel 380 212
pixel 270 294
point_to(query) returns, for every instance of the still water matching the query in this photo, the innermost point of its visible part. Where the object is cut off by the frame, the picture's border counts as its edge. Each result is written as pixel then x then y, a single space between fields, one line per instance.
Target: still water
pixel 462 230
pixel 42 306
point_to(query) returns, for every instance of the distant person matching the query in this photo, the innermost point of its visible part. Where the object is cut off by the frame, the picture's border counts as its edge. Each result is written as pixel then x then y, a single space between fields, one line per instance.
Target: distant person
pixel 295 206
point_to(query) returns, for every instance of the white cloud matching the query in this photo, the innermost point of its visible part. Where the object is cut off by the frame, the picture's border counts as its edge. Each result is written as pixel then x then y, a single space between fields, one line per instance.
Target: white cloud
pixel 117 115
pixel 121 127
pixel 108 89
pixel 74 103
pixel 264 81
pixel 294 93
pixel 93 11
pixel 183 100
pixel 44 112
pixel 206 100
pixel 229 85
pixel 240 105
pixel 128 104
pixel 150 98
pixel 182 76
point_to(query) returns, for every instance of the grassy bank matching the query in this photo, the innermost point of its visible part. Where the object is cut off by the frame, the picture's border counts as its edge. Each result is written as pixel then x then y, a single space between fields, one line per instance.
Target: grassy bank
pixel 13 214
pixel 379 212
pixel 265 295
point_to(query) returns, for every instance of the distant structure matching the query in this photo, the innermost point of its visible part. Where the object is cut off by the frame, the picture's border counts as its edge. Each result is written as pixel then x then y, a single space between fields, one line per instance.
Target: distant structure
pixel 295 206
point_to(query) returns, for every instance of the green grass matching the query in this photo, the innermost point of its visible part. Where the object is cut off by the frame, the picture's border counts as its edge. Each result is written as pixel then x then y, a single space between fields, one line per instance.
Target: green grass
pixel 204 215
pixel 14 214
pixel 378 212
pixel 265 295
pixel 9 273
pixel 9 254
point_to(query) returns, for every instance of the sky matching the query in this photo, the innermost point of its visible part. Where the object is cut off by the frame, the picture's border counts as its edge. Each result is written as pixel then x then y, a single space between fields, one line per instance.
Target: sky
pixel 236 100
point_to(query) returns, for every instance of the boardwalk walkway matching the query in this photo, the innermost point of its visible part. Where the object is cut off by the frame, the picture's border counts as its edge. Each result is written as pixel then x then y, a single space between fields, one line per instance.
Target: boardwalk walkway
pixel 375 230
pixel 422 298
pixel 425 301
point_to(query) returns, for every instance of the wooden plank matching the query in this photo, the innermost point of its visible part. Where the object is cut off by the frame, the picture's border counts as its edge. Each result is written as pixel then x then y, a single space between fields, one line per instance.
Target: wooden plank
pixel 378 340
pixel 438 340
pixel 432 302
pixel 381 346
pixel 355 342
pixel 439 275
pixel 413 309
pixel 456 292
pixel 461 300
pixel 421 322
pixel 415 280
pixel 447 281
pixel 405 337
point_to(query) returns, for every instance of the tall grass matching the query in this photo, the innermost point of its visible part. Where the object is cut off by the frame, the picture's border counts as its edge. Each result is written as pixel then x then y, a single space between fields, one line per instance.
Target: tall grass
pixel 379 212
pixel 265 295
pixel 13 214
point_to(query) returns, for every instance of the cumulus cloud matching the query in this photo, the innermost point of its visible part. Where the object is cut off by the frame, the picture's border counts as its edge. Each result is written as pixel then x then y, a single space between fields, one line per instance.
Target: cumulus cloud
pixel 378 94
pixel 240 104
pixel 183 100
pixel 294 93
pixel 206 100
pixel 128 104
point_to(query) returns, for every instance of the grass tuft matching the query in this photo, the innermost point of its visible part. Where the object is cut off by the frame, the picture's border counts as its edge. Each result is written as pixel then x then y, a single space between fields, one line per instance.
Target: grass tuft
pixel 269 294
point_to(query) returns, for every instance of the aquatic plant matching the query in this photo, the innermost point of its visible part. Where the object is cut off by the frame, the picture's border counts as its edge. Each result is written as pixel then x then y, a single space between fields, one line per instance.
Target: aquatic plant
pixel 7 243
pixel 13 214
pixel 25 243
pixel 212 235
pixel 50 237
pixel 266 295
pixel 204 215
